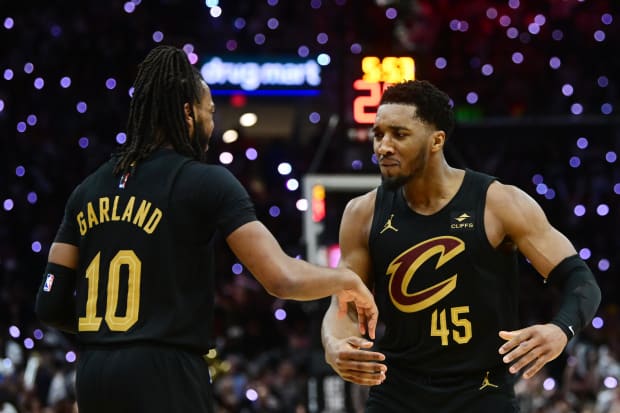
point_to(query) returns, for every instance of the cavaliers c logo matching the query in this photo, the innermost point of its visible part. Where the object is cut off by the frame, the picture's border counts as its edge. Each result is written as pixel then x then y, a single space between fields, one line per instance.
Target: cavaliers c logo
pixel 402 269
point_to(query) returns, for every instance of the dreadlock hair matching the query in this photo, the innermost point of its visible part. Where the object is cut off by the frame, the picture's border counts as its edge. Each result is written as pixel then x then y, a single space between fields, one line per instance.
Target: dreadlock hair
pixel 165 81
pixel 432 105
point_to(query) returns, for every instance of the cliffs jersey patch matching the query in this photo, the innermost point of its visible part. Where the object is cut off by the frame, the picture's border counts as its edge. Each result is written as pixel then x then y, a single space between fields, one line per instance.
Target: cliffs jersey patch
pixel 461 221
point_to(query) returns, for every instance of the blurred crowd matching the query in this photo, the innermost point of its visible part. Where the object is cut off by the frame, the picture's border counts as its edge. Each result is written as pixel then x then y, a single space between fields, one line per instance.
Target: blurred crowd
pixel 549 126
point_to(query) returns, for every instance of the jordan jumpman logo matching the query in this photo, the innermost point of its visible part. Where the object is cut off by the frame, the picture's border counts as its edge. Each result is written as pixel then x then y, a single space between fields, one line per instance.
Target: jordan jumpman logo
pixel 388 225
pixel 486 382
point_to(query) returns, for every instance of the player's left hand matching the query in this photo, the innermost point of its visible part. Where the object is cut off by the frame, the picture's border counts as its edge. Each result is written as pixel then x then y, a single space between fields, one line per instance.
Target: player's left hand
pixel 532 347
pixel 367 311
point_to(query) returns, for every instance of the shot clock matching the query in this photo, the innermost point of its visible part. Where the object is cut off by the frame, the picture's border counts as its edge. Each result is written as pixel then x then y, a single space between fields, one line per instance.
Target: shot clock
pixel 377 75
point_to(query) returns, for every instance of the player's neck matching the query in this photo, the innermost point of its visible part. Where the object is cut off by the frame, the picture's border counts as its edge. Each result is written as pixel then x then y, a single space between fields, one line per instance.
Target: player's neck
pixel 433 189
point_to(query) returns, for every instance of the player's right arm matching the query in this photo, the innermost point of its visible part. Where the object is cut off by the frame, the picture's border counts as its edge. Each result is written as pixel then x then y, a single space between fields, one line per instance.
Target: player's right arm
pixel 55 300
pixel 289 278
pixel 346 351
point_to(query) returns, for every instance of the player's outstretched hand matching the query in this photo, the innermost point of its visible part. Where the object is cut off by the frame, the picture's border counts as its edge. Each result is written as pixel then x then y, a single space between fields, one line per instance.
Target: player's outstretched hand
pixel 532 347
pixel 352 361
pixel 367 311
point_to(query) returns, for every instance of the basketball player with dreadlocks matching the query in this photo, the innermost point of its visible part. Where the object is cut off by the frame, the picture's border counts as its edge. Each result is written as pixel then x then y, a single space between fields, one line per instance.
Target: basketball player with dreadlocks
pixel 130 270
pixel 438 245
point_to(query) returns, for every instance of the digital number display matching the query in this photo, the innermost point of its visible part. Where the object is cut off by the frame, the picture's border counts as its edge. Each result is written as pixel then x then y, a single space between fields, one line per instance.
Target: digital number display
pixel 377 75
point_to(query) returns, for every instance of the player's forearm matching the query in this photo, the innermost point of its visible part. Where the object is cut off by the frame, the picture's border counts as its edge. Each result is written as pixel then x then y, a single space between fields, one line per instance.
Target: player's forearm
pixel 336 327
pixel 55 301
pixel 300 280
pixel 581 295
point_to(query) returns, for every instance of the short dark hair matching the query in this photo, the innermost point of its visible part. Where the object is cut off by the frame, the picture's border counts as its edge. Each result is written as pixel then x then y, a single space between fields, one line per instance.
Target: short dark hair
pixel 165 81
pixel 432 105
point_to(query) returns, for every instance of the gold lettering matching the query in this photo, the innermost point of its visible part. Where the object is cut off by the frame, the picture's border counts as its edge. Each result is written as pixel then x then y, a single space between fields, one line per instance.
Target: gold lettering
pixel 138 219
pixel 115 216
pixel 81 223
pixel 104 206
pixel 92 217
pixel 128 209
pixel 153 221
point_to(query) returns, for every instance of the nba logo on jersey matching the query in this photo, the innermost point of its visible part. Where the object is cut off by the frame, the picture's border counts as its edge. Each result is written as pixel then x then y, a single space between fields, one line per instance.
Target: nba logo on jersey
pixel 49 281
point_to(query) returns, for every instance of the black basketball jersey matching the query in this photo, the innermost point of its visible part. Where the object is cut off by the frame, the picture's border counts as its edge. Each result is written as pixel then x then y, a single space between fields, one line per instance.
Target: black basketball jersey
pixel 442 290
pixel 145 242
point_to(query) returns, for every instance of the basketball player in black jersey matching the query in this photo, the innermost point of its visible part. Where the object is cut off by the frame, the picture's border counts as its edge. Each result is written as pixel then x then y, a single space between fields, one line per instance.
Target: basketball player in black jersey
pixel 439 247
pixel 130 270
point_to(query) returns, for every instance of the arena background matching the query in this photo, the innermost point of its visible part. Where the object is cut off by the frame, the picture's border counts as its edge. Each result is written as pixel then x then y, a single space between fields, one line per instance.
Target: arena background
pixel 535 86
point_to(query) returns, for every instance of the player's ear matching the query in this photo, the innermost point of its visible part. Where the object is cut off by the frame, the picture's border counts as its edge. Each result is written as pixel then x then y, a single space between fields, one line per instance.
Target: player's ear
pixel 438 140
pixel 188 113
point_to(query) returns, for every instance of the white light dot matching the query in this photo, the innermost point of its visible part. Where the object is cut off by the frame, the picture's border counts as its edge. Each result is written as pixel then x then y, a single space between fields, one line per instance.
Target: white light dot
pixel 323 59
pixel 14 331
pixel 549 384
pixel 285 168
pixel 292 184
pixel 251 395
pixel 610 382
pixel 230 136
pixel 226 158
pixel 301 204
pixel 248 119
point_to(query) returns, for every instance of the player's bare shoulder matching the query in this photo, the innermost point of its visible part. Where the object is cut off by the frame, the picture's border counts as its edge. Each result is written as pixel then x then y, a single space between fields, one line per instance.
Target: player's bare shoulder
pixel 512 207
pixel 362 206
pixel 359 210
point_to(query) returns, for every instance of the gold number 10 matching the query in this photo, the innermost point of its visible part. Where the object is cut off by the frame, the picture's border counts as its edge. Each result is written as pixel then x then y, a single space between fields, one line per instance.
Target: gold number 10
pixel 115 323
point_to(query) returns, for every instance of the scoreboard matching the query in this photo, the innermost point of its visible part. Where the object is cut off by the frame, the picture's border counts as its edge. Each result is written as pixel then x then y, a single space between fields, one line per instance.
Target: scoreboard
pixel 377 74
